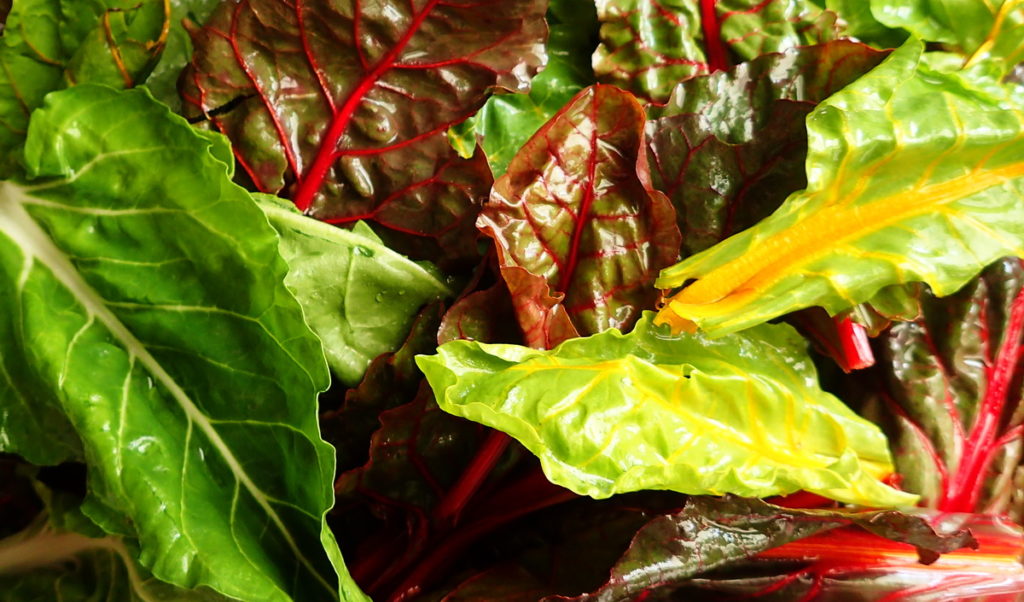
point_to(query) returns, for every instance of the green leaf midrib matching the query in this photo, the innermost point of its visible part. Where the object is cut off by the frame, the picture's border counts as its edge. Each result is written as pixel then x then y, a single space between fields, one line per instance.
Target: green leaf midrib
pixel 39 248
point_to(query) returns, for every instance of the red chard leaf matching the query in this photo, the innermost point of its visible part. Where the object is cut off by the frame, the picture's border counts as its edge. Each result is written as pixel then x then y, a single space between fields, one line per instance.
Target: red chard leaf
pixel 580 231
pixel 728 148
pixel 949 393
pixel 710 534
pixel 648 46
pixel 486 315
pixel 850 564
pixel 343 106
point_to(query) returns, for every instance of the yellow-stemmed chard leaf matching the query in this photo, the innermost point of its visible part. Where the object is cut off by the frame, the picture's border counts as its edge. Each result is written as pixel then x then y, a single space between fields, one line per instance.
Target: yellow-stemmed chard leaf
pixel 613 413
pixel 913 176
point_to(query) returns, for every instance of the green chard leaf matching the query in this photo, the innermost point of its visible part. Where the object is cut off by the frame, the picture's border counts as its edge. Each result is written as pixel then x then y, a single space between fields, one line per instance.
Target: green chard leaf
pixel 914 176
pixel 508 120
pixel 49 44
pixel 146 310
pixel 980 30
pixel 648 46
pixel 358 296
pixel 613 413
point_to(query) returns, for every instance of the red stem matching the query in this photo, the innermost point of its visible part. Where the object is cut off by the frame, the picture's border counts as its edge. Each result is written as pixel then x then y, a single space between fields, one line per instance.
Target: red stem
pixel 718 58
pixel 529 494
pixel 856 347
pixel 981 444
pixel 448 511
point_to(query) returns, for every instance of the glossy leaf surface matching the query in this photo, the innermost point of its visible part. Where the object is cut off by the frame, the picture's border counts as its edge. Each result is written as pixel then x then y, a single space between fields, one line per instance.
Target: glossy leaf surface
pixel 576 209
pixel 182 363
pixel 914 176
pixel 710 534
pixel 849 564
pixel 729 147
pixel 979 29
pixel 944 374
pixel 507 121
pixel 343 107
pixel 613 413
pixel 648 46
pixel 358 296
pixel 48 44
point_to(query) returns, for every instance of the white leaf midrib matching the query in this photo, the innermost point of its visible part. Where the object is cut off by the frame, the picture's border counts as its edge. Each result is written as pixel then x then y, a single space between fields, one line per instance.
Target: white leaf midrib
pixel 36 244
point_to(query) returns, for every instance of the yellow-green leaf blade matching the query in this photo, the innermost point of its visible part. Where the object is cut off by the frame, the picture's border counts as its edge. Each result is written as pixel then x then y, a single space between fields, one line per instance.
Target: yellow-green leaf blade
pixel 914 176
pixel 613 413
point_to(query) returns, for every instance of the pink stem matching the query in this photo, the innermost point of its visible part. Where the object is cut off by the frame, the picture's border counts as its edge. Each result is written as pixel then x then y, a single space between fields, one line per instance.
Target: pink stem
pixel 718 58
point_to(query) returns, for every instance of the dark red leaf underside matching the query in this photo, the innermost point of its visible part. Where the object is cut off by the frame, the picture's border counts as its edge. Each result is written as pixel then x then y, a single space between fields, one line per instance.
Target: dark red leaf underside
pixel 486 315
pixel 580 231
pixel 343 106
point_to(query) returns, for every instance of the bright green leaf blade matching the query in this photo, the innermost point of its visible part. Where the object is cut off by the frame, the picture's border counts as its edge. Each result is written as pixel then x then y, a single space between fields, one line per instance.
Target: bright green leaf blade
pixel 48 44
pixel 914 176
pixel 979 29
pixel 613 413
pixel 507 121
pixel 148 306
pixel 359 296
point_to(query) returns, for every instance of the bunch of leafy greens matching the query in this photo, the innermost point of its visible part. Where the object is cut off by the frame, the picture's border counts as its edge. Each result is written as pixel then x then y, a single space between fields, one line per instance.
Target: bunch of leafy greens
pixel 511 299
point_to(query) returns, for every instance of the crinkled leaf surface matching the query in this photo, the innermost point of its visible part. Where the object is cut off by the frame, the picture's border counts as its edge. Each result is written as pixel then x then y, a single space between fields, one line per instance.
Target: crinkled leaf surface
pixel 358 296
pixel 343 106
pixel 933 379
pixel 486 315
pixel 979 29
pixel 148 308
pixel 48 44
pixel 508 120
pixel 576 208
pixel 711 533
pixel 914 176
pixel 729 147
pixel 648 46
pixel 613 413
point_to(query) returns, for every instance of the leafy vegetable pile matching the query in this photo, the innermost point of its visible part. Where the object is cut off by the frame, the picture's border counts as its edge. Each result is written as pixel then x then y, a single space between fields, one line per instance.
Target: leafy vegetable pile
pixel 500 299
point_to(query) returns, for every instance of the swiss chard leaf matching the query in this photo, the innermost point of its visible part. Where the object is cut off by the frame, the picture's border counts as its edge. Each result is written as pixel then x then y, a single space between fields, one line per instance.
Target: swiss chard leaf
pixel 914 176
pixel 648 46
pixel 613 413
pixel 49 44
pixel 577 212
pixel 358 296
pixel 147 310
pixel 507 121
pixel 979 29
pixel 948 392
pixel 42 563
pixel 710 534
pixel 728 148
pixel 163 81
pixel 343 107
